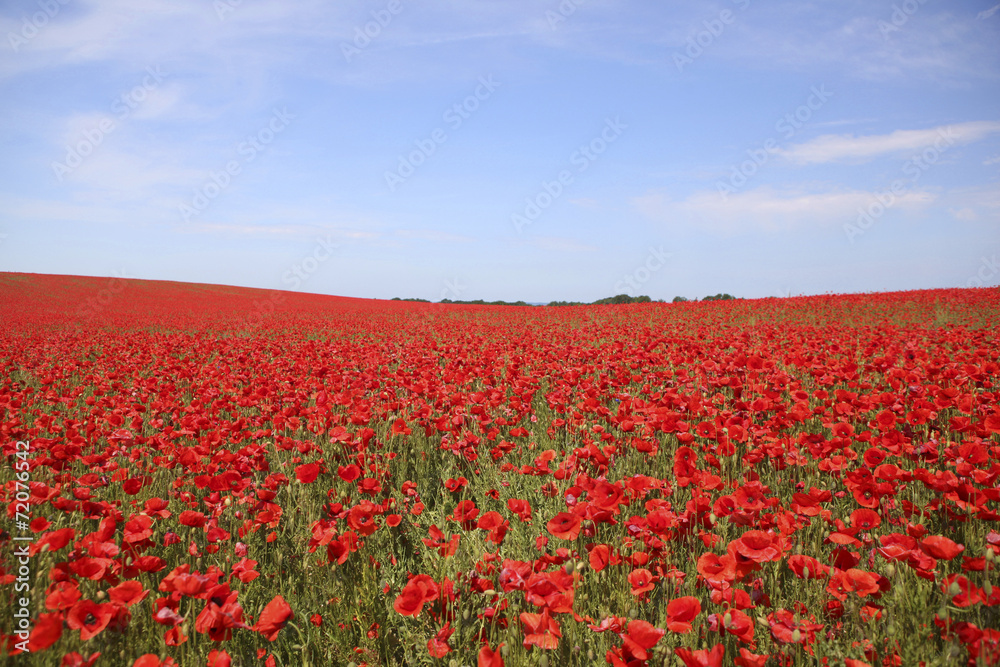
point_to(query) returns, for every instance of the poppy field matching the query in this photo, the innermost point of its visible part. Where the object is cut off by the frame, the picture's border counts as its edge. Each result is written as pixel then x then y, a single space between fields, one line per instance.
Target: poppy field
pixel 205 475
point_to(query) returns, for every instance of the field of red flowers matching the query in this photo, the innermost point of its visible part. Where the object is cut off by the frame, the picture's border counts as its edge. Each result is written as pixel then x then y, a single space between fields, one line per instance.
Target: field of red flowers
pixel 199 475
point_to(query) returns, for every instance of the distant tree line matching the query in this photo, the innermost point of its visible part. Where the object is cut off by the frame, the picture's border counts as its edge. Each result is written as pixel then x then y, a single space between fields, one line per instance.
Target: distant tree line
pixel 611 300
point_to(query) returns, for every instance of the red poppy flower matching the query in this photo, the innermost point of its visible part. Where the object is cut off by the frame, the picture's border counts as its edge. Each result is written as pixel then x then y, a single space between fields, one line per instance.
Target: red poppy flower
pixel 680 612
pixel 521 508
pixel 437 645
pixel 307 473
pixel 490 658
pixel 74 659
pixel 217 658
pixel 127 593
pixel 641 580
pixel 274 617
pixel 361 518
pixel 55 540
pixel 418 591
pixel 62 595
pixel 748 659
pixel 47 631
pixel 495 525
pixel 465 514
pixel 89 617
pixel 758 546
pixel 784 625
pixel 940 547
pixel 599 557
pixel 715 569
pixel 399 427
pixel 640 637
pixel 540 630
pixel 564 526
pixel 865 519
pixel 192 518
pixel 219 620
pixel 701 657
pixel 807 567
pixel 735 622
pixel 349 473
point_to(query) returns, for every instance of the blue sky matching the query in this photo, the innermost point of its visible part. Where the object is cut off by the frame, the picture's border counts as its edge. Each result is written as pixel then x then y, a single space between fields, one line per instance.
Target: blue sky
pixel 504 149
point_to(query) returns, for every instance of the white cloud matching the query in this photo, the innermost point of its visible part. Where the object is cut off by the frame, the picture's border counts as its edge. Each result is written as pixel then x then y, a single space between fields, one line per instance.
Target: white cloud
pixel 765 209
pixel 850 148
pixel 986 13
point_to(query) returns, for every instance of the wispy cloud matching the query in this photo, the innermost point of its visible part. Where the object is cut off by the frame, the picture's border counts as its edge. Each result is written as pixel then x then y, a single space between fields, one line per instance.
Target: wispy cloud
pixel 851 148
pixel 764 209
pixel 987 13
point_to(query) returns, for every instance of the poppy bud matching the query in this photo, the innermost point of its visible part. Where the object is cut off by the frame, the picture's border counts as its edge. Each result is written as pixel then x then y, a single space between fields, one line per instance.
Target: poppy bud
pixel 987 588
pixel 954 589
pixel 796 635
pixel 489 592
pixel 890 570
pixel 543 661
